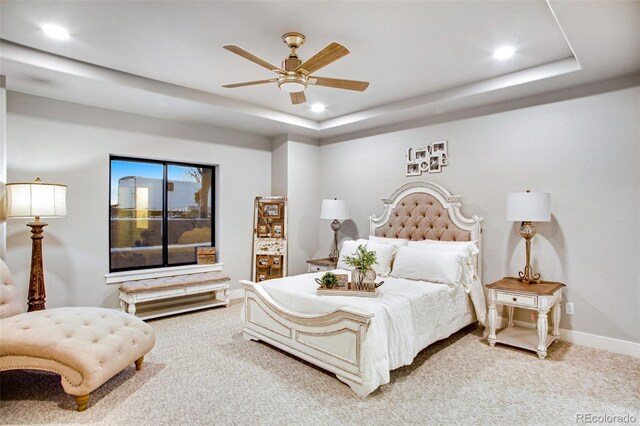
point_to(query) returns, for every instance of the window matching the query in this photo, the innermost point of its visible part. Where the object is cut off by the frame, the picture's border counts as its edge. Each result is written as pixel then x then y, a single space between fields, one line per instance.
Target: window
pixel 160 213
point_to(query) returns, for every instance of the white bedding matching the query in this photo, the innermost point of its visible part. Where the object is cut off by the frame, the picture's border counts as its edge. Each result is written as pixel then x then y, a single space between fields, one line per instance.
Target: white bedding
pixel 408 316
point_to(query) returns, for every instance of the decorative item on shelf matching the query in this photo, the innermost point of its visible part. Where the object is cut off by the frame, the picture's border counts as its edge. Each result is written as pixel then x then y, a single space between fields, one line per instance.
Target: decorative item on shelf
pixel 337 210
pixel 363 277
pixel 206 255
pixel 428 159
pixel 528 207
pixel 36 200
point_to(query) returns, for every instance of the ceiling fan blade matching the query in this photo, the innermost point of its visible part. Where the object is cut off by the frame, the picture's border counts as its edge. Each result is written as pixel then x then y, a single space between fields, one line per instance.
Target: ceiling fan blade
pixel 253 58
pixel 331 53
pixel 337 83
pixel 249 83
pixel 298 98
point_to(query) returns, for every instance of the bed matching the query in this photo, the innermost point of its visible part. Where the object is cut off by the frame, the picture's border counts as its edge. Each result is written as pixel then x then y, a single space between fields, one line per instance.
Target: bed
pixel 361 340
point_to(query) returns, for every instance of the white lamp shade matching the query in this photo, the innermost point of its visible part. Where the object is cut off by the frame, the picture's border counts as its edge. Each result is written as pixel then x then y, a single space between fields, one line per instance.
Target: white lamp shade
pixel 529 207
pixel 334 209
pixel 25 200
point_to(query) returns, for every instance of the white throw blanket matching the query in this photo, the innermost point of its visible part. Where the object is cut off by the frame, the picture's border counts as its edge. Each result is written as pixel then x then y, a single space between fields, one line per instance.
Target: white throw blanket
pixel 408 316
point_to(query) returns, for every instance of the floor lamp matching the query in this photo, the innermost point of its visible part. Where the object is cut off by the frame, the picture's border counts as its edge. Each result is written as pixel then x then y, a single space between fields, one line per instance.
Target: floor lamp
pixel 337 210
pixel 528 207
pixel 36 200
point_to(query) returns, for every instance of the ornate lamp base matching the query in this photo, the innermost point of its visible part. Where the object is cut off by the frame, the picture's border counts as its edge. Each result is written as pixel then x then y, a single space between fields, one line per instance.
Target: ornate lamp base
pixel 36 297
pixel 528 230
pixel 335 225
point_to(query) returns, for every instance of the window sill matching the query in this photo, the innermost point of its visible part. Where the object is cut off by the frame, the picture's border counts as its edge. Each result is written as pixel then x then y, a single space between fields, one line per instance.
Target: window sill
pixel 120 277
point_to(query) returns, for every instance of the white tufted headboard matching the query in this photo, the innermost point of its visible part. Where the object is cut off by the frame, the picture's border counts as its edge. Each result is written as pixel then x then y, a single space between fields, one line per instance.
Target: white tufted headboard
pixel 426 211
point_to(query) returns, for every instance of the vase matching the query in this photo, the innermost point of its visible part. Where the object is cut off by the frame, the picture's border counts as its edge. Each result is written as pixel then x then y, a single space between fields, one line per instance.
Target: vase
pixel 363 279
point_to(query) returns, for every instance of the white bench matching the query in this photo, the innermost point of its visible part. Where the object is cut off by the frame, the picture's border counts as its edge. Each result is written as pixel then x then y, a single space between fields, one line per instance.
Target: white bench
pixel 168 295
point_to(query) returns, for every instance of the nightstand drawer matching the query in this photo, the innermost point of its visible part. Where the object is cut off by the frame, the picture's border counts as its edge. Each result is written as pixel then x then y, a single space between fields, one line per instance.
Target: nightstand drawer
pixel 516 299
pixel 316 268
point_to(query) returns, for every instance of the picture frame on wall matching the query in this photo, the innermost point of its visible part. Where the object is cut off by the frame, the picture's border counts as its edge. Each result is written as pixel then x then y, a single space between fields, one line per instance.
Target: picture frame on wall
pixel 423 159
pixel 434 164
pixel 276 230
pixel 262 230
pixel 413 169
pixel 262 276
pixel 271 210
pixel 262 261
pixel 439 147
pixel 276 262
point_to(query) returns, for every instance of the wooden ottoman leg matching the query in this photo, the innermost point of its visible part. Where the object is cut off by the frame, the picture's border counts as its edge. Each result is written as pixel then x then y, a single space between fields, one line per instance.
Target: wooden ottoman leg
pixel 139 363
pixel 82 401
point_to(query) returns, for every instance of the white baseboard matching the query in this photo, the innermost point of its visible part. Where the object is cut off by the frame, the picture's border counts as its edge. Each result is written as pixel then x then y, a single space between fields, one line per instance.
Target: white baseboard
pixel 585 339
pixel 236 294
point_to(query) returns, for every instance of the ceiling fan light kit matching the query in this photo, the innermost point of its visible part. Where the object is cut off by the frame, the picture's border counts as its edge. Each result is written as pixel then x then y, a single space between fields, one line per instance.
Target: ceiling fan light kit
pixel 295 75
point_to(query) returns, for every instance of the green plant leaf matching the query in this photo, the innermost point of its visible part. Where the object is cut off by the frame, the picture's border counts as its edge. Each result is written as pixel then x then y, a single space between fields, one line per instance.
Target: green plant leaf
pixel 362 259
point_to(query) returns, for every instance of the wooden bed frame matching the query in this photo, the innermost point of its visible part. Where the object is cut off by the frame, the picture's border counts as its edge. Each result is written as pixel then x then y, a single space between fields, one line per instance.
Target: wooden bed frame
pixel 334 341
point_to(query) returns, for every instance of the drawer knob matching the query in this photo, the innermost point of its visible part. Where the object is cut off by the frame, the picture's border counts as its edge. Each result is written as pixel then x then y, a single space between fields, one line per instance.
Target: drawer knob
pixel 515 299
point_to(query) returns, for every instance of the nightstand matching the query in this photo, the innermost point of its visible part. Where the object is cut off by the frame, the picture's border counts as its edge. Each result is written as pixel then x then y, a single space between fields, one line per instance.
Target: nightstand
pixel 321 265
pixel 543 297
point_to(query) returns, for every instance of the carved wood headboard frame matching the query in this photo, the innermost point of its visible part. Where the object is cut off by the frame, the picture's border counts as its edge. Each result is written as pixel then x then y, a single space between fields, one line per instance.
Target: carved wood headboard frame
pixel 424 210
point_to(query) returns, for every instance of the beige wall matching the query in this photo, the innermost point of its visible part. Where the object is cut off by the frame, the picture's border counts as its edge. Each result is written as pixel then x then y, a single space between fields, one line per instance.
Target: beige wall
pixel 70 143
pixel 304 203
pixel 584 151
pixel 295 171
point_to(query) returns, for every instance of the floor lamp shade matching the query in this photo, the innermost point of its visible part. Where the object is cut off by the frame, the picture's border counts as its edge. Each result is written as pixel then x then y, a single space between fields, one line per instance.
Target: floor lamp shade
pixel 36 200
pixel 27 200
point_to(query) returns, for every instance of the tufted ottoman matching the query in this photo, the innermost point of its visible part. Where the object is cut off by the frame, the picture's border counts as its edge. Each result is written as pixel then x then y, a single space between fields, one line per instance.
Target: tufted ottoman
pixel 86 346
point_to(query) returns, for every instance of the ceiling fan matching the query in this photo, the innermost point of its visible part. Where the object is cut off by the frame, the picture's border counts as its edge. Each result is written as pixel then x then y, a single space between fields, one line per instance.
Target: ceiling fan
pixel 295 75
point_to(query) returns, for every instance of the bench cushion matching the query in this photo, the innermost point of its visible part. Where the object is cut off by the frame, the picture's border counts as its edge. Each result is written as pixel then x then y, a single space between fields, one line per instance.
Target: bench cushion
pixel 176 281
pixel 86 346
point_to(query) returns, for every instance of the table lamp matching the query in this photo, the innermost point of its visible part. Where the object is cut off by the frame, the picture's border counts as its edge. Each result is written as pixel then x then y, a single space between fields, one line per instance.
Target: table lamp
pixel 528 207
pixel 36 200
pixel 337 210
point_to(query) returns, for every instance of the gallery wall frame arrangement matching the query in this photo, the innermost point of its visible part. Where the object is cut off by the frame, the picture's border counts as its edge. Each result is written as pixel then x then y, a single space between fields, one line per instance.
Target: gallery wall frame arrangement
pixel 428 159
pixel 269 259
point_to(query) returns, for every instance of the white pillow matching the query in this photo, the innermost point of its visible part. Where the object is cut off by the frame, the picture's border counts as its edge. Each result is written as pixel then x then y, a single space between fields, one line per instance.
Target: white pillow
pixel 469 248
pixel 384 254
pixel 398 242
pixel 426 264
pixel 348 249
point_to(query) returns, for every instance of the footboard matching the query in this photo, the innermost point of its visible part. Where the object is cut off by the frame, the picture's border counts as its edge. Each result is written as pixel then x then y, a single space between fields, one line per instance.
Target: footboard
pixel 333 341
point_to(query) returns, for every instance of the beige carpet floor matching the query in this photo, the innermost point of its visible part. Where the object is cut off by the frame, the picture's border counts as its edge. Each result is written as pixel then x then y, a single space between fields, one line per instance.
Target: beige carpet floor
pixel 202 371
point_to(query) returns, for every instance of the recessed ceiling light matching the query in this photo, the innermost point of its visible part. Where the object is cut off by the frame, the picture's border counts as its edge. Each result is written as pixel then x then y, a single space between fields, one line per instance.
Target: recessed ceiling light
pixel 55 31
pixel 317 108
pixel 504 52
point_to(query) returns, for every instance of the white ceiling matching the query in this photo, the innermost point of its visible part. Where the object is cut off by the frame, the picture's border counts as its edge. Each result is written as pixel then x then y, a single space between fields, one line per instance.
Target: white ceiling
pixel 165 58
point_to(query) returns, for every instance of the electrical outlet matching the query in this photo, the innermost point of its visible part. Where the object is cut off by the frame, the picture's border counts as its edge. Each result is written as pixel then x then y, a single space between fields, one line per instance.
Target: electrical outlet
pixel 569 308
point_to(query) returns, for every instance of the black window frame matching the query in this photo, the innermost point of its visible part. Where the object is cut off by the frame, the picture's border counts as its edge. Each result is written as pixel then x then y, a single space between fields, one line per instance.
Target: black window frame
pixel 165 221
